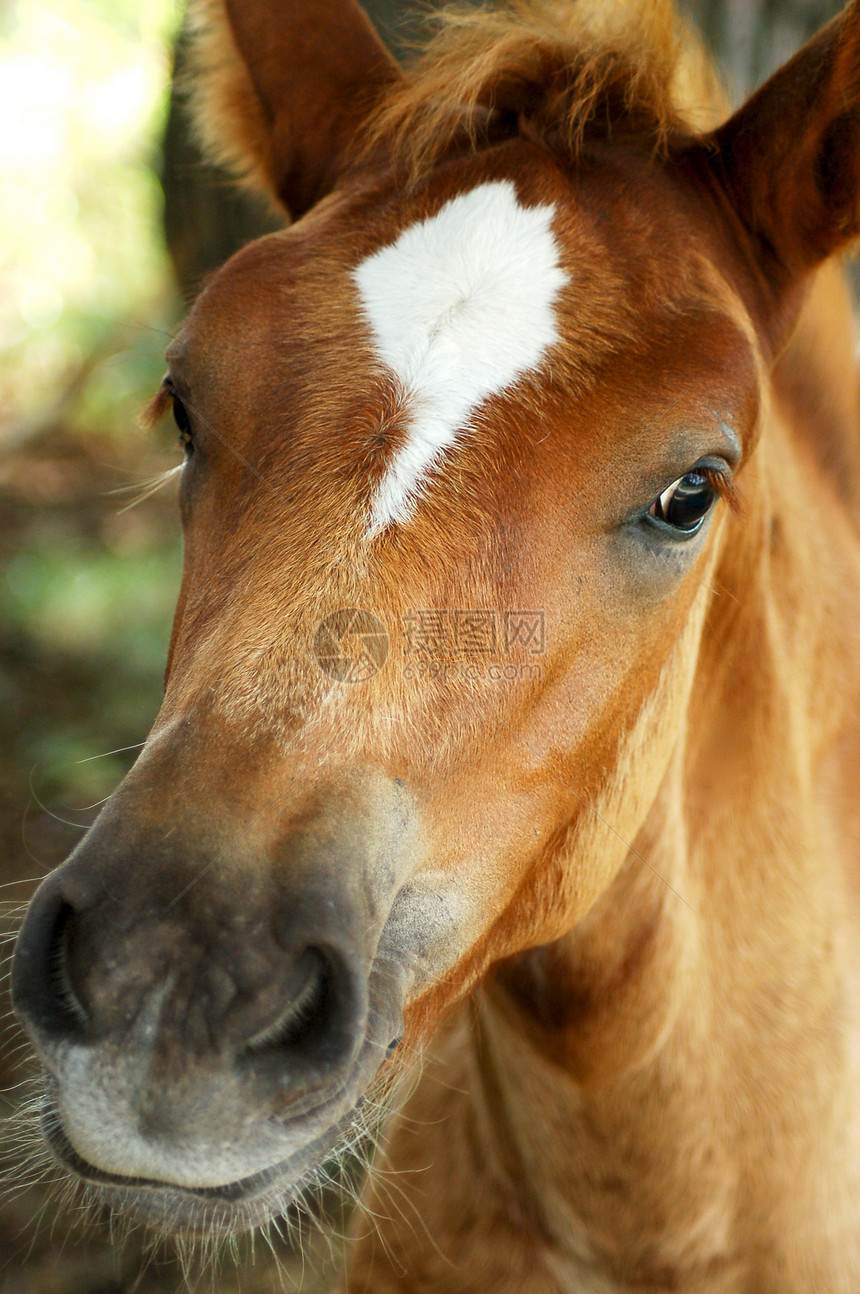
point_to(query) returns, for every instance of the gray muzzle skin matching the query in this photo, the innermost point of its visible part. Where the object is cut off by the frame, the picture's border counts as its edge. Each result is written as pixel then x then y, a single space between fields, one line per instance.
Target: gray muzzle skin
pixel 208 1017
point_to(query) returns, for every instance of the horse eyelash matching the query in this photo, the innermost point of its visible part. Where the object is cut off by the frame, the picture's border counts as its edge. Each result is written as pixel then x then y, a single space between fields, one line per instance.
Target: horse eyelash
pixel 157 407
pixel 724 484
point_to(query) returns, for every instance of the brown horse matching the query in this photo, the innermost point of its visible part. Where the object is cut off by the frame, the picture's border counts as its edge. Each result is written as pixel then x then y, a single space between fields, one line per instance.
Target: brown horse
pixel 512 712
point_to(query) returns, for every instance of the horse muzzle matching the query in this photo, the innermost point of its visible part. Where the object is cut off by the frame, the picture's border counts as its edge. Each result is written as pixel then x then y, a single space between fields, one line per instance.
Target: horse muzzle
pixel 210 1019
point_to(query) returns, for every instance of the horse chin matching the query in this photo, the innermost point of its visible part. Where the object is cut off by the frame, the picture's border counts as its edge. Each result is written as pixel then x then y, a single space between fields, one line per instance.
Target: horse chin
pixel 288 1187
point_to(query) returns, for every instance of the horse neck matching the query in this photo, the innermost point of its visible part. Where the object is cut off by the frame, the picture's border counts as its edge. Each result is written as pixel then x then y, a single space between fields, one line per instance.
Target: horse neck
pixel 688 1040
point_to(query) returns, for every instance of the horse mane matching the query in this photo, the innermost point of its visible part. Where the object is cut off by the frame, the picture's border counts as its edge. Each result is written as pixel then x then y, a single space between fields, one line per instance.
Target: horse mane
pixel 553 69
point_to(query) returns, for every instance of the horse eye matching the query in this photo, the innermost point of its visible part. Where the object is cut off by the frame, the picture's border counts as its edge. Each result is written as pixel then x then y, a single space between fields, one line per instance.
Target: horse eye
pixel 183 422
pixel 686 503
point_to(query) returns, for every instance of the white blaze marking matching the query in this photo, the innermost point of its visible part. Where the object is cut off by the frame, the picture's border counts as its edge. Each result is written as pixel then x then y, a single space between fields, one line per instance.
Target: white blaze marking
pixel 460 306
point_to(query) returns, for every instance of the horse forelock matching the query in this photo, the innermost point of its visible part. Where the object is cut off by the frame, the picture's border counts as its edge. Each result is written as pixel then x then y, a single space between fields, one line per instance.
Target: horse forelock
pixel 552 70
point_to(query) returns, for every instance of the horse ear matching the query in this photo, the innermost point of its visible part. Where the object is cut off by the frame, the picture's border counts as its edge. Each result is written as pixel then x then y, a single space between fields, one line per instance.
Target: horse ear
pixel 281 88
pixel 789 159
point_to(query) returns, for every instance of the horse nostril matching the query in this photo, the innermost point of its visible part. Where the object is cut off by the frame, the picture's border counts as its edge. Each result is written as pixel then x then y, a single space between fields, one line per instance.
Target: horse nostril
pixel 43 985
pixel 69 1013
pixel 306 994
pixel 320 1015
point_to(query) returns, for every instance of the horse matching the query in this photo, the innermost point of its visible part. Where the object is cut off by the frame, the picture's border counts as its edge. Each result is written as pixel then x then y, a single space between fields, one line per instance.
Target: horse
pixel 502 806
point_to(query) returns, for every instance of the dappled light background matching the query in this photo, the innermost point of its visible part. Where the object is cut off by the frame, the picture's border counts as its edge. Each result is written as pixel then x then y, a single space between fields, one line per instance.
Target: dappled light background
pixel 87 304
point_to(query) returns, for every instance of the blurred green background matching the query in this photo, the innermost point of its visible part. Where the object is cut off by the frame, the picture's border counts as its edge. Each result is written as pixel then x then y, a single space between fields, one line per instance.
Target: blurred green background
pixel 87 305
pixel 89 569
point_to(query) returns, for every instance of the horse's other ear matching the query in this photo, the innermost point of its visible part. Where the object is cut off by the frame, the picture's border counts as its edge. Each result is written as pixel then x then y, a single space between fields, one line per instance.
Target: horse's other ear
pixel 281 88
pixel 789 159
